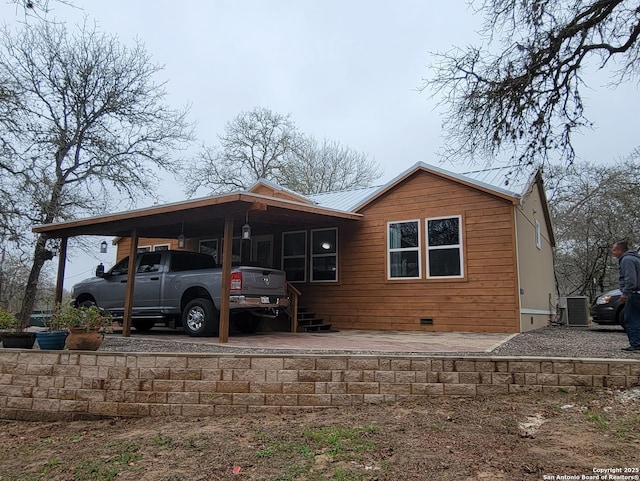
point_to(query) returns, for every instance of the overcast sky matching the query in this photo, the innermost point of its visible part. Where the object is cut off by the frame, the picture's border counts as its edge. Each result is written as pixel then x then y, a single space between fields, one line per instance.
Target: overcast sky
pixel 345 70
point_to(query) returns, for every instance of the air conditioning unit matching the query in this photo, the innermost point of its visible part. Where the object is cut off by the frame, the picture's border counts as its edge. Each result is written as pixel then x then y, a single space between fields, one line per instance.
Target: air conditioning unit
pixel 577 310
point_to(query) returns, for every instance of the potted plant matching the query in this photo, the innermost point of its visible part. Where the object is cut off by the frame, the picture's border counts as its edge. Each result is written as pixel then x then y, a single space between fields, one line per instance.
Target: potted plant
pixel 86 325
pixel 13 334
pixel 55 335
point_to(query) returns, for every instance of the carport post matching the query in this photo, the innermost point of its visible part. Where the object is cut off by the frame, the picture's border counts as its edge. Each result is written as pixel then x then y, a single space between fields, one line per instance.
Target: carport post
pixel 62 261
pixel 131 279
pixel 225 290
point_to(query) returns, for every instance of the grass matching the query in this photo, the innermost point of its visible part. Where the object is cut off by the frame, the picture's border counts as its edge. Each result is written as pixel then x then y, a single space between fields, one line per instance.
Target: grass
pixel 335 453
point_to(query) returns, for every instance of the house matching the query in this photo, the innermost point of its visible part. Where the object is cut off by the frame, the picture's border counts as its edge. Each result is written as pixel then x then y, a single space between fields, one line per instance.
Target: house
pixel 431 250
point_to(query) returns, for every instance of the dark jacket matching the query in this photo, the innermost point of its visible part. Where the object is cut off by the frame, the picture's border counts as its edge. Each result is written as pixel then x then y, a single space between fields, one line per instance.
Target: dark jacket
pixel 629 272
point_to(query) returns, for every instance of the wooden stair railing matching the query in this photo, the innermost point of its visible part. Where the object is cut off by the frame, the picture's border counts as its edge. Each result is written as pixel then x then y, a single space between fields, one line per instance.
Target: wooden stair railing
pixel 292 310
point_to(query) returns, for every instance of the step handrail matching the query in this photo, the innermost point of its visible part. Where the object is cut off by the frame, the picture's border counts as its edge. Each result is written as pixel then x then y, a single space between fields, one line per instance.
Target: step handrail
pixel 292 310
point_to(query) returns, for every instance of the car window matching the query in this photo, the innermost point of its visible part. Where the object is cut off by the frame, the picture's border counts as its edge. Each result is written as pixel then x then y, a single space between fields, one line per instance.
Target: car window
pixel 150 263
pixel 120 268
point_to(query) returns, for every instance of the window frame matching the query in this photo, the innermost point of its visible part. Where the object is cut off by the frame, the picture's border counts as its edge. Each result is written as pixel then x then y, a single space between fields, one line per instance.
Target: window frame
pixel 459 246
pixel 305 256
pixel 391 250
pixel 217 242
pixel 323 255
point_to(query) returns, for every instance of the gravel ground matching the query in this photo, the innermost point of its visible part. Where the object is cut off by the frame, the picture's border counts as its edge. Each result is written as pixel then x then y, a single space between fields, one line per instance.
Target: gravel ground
pixel 554 341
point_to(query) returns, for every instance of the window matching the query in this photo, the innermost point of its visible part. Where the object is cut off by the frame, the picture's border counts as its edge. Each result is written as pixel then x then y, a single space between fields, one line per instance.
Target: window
pixel 149 263
pixel 538 235
pixel 294 255
pixel 324 255
pixel 161 247
pixel 142 249
pixel 236 249
pixel 403 241
pixel 444 247
pixel 187 261
pixel 210 246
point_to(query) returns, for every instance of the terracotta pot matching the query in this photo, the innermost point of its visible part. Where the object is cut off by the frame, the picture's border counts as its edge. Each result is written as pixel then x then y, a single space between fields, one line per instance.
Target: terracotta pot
pixel 18 340
pixel 51 340
pixel 81 340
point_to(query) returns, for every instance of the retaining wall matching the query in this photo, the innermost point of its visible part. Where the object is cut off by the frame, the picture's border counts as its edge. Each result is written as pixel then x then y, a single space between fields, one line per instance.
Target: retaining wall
pixel 71 384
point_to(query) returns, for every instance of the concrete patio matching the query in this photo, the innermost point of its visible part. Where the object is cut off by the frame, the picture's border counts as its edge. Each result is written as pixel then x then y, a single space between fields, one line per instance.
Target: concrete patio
pixel 347 340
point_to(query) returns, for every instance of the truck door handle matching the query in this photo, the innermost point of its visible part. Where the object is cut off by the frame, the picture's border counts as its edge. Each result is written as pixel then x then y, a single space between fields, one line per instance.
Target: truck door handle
pixel 123 281
pixel 154 278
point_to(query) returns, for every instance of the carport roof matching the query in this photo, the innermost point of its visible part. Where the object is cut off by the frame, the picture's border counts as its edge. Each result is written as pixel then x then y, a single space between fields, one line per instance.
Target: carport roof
pixel 200 217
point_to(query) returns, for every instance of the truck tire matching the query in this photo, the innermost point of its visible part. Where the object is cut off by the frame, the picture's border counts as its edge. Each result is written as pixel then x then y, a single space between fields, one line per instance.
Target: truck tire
pixel 200 318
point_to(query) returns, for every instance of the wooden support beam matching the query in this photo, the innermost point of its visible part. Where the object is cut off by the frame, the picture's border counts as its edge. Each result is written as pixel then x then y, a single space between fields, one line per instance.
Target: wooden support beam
pixel 225 290
pixel 62 262
pixel 131 279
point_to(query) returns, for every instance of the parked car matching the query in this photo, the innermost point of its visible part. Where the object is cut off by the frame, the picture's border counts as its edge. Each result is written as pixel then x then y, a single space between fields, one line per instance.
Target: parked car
pixel 607 309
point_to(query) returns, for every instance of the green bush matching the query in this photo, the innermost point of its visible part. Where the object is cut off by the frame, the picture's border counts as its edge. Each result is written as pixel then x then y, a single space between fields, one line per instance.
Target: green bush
pixel 66 316
pixel 8 321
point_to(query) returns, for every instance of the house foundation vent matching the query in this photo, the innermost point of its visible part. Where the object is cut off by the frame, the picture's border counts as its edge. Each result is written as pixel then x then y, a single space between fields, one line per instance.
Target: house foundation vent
pixel 426 321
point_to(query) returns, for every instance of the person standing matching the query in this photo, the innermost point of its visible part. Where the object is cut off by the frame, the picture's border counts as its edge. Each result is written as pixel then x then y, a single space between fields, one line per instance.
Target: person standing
pixel 629 281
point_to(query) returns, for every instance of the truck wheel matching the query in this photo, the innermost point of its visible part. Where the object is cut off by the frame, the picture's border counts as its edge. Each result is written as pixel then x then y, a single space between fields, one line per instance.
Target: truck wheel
pixel 200 318
pixel 143 325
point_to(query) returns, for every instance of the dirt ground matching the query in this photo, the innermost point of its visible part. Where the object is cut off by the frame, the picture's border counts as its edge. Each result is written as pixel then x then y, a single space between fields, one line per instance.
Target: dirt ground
pixel 517 437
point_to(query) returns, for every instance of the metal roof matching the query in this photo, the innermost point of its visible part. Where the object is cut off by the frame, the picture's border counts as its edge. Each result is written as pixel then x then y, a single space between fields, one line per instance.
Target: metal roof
pixel 502 180
pixel 345 200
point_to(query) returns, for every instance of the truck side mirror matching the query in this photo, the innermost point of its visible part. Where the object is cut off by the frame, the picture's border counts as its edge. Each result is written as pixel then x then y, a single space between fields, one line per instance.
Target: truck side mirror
pixel 100 270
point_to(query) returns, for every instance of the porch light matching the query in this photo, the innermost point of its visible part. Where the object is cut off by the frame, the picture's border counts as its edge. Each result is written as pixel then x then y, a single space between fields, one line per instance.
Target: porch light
pixel 246 228
pixel 326 246
pixel 103 247
pixel 181 238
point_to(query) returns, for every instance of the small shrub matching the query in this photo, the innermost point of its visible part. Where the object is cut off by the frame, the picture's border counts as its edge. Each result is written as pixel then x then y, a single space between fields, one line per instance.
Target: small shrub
pixel 8 321
pixel 84 317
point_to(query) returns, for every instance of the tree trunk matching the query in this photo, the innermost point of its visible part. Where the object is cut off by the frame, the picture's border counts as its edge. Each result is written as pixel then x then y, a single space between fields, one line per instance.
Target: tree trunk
pixel 40 255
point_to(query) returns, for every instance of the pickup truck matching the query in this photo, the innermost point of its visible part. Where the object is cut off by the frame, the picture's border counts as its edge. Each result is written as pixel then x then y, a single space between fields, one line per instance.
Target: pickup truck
pixel 179 288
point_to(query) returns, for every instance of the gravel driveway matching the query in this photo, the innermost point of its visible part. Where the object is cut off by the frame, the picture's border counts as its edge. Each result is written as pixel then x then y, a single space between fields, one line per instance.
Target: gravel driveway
pixel 577 342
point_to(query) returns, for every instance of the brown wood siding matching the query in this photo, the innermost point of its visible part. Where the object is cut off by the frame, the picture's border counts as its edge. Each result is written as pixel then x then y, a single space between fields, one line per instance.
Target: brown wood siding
pixel 485 300
pixel 124 243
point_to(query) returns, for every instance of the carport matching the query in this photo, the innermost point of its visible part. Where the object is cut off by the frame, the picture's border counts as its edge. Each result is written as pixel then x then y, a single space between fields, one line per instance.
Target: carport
pixel 194 218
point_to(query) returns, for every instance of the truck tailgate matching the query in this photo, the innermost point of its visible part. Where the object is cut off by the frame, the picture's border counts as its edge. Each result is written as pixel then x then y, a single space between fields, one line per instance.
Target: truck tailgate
pixel 257 281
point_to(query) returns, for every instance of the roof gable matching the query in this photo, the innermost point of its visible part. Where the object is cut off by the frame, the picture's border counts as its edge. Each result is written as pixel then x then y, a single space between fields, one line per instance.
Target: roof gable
pixel 476 179
pixel 271 189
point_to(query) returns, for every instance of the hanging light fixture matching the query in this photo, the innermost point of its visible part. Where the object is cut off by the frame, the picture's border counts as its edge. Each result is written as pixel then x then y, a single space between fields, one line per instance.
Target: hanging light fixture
pixel 246 228
pixel 181 238
pixel 103 247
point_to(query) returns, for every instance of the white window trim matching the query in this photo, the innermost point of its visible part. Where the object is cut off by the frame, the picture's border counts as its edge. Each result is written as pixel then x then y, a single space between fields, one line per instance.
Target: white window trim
pixel 538 235
pixel 418 248
pixel 146 248
pixel 459 245
pixel 306 251
pixel 155 246
pixel 333 254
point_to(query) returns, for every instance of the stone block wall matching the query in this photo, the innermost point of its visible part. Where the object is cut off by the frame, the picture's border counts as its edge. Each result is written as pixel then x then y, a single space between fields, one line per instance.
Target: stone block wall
pixel 71 384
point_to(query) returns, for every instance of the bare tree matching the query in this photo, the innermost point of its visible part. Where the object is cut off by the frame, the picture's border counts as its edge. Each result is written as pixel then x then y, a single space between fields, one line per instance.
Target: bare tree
pixel 525 100
pixel 254 145
pixel 37 9
pixel 328 166
pixel 82 120
pixel 592 207
pixel 263 144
